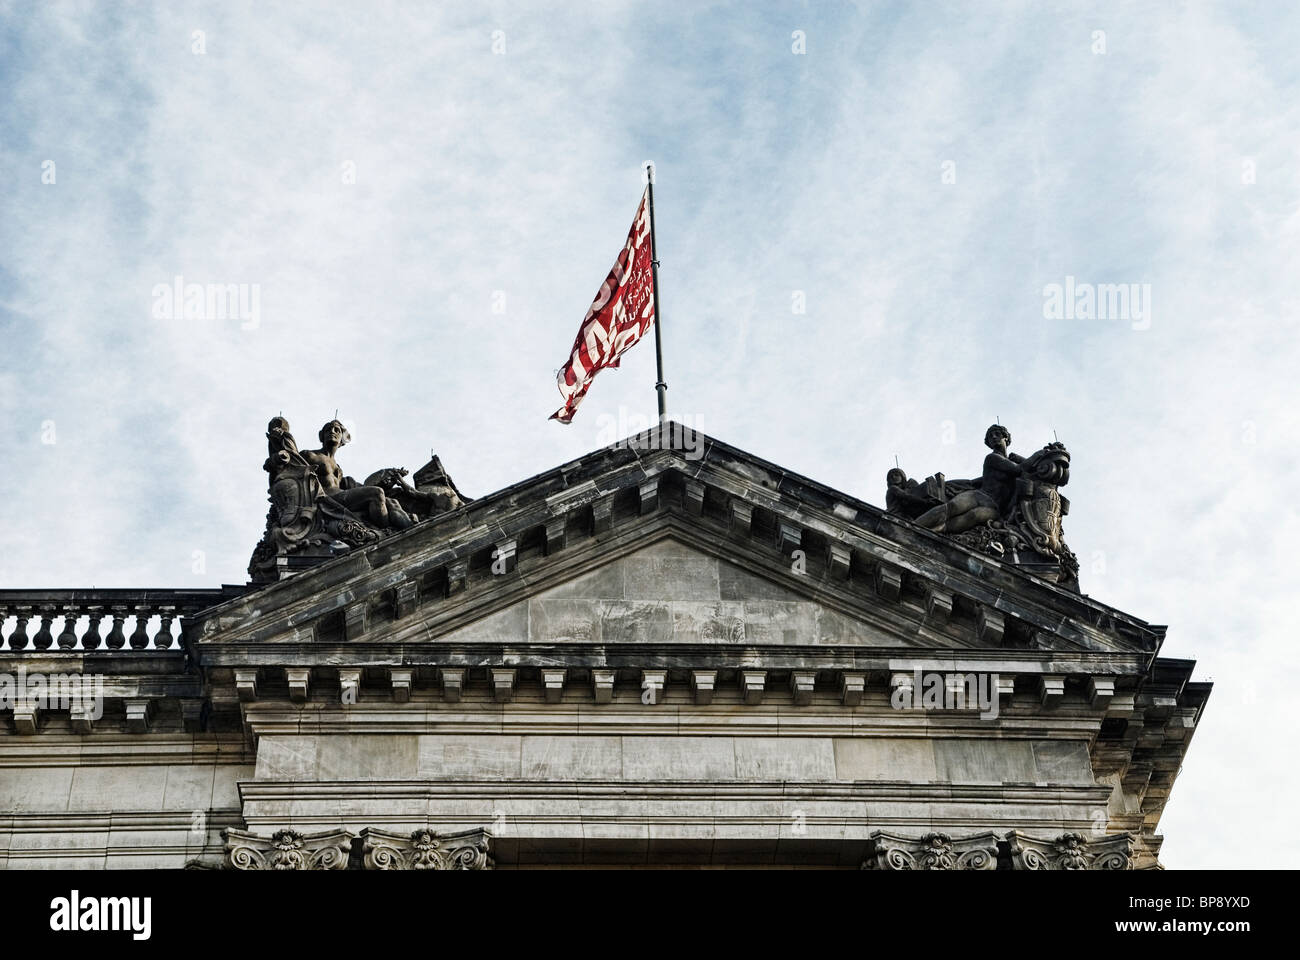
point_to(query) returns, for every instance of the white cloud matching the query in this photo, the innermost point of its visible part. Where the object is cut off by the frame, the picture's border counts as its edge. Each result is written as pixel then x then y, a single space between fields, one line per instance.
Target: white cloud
pixel 478 172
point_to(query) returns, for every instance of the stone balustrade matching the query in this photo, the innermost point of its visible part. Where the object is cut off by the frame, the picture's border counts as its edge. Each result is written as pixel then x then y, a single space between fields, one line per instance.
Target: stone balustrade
pixel 99 620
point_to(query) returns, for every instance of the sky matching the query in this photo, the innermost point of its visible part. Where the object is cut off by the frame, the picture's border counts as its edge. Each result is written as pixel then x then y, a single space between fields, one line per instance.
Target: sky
pixel 863 210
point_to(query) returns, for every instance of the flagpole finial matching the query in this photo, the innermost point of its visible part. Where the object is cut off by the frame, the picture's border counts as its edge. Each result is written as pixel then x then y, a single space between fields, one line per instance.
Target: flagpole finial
pixel 648 172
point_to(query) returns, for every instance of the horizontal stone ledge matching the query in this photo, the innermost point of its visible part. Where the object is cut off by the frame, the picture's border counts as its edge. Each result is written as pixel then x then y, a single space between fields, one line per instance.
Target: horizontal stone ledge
pixel 1050 796
pixel 871 642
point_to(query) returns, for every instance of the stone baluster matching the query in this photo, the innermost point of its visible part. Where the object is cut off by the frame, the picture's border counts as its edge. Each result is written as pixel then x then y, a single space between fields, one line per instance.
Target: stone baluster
pixel 18 639
pixel 163 639
pixel 68 635
pixel 44 640
pixel 116 639
pixel 4 617
pixel 91 639
pixel 139 638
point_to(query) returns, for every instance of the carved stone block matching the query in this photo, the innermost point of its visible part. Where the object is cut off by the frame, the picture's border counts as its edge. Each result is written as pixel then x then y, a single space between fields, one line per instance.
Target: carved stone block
pixel 652 686
pixel 505 557
pixel 26 717
pixel 299 679
pixel 839 558
pixel 1100 692
pixel 556 528
pixel 1071 851
pixel 693 497
pixel 989 626
pixel 649 493
pixel 938 604
pixel 602 682
pixel 138 712
pixel 349 684
pixel 553 684
pixel 287 850
pixel 401 680
pixel 932 851
pixel 602 514
pixel 452 682
pixel 426 850
pixel 246 684
pixel 889 582
pixel 852 687
pixel 742 516
pixel 457 575
pixel 1053 690
pixel 503 685
pixel 406 598
pixel 801 685
pixel 355 619
pixel 789 537
pixel 703 681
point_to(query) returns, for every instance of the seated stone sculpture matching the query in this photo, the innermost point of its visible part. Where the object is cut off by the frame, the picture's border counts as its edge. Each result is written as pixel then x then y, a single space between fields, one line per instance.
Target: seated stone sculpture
pixel 988 501
pixel 366 501
pixel 317 511
pixel 1012 511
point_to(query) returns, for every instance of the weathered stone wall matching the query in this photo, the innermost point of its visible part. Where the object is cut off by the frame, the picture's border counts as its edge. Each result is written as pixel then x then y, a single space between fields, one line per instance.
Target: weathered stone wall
pixel 118 802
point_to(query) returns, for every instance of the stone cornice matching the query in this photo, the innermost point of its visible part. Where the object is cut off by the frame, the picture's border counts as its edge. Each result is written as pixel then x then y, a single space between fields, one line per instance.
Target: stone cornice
pixel 883 541
pixel 331 791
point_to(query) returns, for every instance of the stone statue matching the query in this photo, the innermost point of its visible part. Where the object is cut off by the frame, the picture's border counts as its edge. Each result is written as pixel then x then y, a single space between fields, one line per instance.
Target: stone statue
pixel 1012 511
pixel 988 501
pixel 318 512
pixel 365 500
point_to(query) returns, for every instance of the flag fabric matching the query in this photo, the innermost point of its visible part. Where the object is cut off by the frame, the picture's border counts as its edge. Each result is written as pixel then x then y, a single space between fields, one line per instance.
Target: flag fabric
pixel 620 315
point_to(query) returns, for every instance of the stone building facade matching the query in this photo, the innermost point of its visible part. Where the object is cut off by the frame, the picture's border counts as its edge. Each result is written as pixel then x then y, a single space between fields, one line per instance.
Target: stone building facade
pixel 643 658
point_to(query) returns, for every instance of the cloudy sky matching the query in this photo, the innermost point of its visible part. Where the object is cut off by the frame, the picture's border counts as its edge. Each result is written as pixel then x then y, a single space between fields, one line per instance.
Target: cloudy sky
pixel 425 198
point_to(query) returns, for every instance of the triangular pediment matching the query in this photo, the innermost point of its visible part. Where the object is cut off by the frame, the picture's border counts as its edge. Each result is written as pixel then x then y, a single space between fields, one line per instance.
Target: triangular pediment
pixel 673 593
pixel 683 548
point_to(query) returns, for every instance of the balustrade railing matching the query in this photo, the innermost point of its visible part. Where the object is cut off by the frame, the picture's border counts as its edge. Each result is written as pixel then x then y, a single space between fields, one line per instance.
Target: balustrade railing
pixel 100 620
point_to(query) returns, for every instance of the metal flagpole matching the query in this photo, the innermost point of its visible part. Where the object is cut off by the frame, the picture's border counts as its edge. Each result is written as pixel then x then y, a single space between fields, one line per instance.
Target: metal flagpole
pixel 660 386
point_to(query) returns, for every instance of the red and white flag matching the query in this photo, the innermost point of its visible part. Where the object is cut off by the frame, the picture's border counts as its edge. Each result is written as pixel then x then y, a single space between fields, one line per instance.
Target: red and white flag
pixel 620 315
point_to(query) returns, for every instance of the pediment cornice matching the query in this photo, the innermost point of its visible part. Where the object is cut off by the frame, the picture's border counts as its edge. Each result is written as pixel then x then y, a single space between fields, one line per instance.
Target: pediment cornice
pixel 917 589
